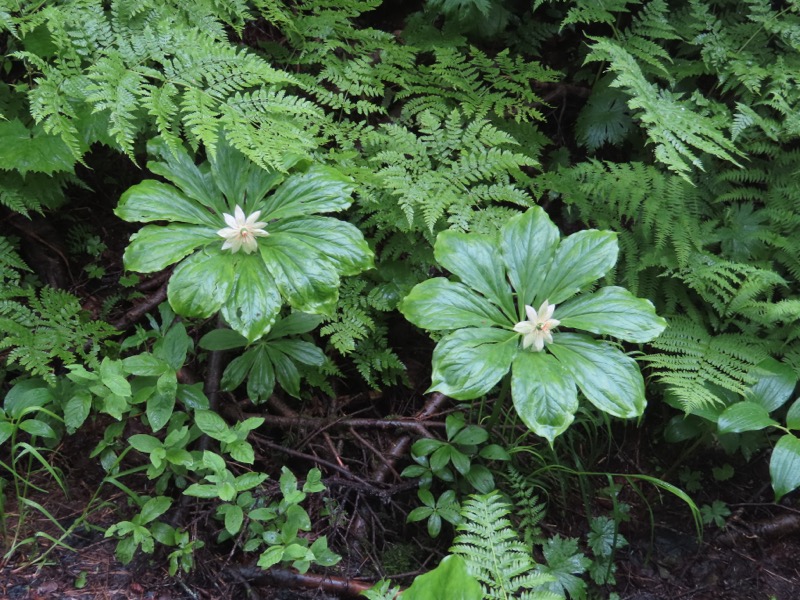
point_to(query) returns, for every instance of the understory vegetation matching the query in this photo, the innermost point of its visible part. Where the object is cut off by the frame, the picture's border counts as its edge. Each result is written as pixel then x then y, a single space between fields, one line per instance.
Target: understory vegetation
pixel 311 286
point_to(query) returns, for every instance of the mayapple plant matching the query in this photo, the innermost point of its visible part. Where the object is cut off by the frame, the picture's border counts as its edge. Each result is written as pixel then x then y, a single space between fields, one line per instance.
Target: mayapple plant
pixel 246 239
pixel 495 327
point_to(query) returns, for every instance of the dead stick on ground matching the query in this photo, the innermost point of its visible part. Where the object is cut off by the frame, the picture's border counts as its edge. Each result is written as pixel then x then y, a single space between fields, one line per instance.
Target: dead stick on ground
pixel 395 452
pixel 300 421
pixel 138 311
pixel 287 578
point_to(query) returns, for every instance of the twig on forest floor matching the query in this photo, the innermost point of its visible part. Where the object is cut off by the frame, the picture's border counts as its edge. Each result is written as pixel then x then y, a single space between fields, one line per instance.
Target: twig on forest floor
pixel 774 528
pixel 260 439
pixel 301 421
pixel 397 450
pixel 137 312
pixel 288 578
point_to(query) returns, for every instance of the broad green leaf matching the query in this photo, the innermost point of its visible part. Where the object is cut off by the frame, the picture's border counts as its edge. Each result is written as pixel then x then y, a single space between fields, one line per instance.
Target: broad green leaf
pixel 471 435
pixel 243 182
pixel 784 466
pixel 449 580
pixel 234 517
pixel 153 200
pixel 313 482
pixel 177 437
pixel 425 446
pixel 544 394
pixel 270 557
pixel 304 278
pixel 295 323
pixel 481 479
pixel 248 481
pixel 180 169
pixel 159 409
pixel 213 425
pixel 145 364
pixel 255 302
pixel 115 405
pixel 144 443
pixel 200 285
pixel 744 416
pixel 112 375
pixel 612 311
pixel 528 243
pixel 285 371
pixel 6 431
pixel 192 395
pixel 200 490
pixel 214 461
pixel 222 339
pixel 338 241
pixel 154 247
pixel 237 370
pixel 242 452
pixel 303 352
pixel 438 304
pixel 319 190
pixel 174 346
pixel 610 380
pixel 26 395
pixel 322 555
pixel 581 259
pixel 793 415
pixel 77 410
pixel 469 362
pixel 776 382
pixel 37 427
pixel 152 509
pixel 477 262
pixel 261 380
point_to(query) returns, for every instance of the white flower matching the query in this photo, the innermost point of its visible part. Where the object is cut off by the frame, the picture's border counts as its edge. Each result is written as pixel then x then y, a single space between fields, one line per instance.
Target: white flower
pixel 537 329
pixel 241 232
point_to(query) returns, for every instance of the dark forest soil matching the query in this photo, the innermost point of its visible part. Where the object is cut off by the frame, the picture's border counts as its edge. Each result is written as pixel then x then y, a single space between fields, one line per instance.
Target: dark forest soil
pixel 754 557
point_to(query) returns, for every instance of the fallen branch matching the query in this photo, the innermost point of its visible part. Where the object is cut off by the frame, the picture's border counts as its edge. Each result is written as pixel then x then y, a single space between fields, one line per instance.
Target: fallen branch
pixel 137 312
pixel 397 450
pixel 288 578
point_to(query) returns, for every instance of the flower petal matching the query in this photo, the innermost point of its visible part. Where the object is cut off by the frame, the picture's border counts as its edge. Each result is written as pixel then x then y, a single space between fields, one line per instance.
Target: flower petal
pixel 239 214
pixel 229 220
pixel 531 312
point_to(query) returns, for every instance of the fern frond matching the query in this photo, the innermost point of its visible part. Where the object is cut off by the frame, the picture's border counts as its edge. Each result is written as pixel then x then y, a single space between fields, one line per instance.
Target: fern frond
pixel 691 361
pixel 493 552
pixel 675 125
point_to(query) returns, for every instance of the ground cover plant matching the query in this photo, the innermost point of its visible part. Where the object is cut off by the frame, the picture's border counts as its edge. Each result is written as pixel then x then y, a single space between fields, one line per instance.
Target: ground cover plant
pixel 371 296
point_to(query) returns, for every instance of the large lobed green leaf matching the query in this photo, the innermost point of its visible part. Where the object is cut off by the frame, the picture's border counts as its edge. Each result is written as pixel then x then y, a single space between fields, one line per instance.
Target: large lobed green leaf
pixel 335 241
pixel 528 243
pixel 319 190
pixel 469 362
pixel 439 304
pixel 254 304
pixel 607 377
pixel 613 311
pixel 201 284
pixel 153 200
pixel 304 278
pixel 154 248
pixel 544 394
pixel 581 259
pixel 477 262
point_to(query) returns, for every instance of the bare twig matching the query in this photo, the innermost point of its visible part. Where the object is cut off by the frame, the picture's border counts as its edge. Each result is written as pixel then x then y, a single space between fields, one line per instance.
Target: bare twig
pixel 288 578
pixel 300 422
pixel 310 457
pixel 138 311
pixel 397 450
